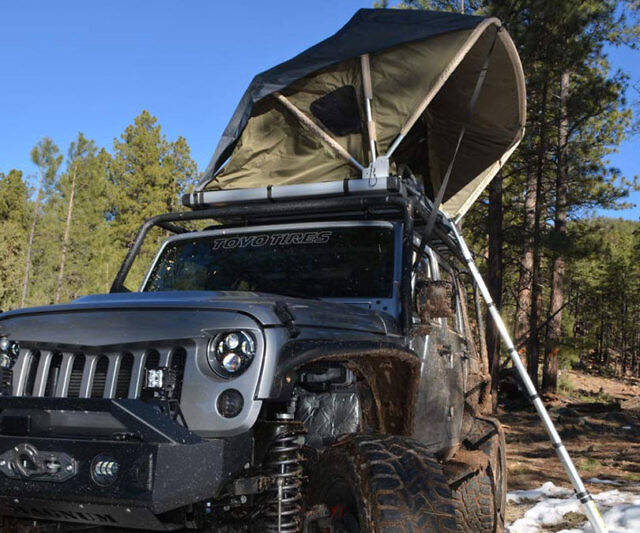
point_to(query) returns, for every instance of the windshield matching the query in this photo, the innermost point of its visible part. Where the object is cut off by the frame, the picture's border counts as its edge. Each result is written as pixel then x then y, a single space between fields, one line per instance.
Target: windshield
pixel 338 262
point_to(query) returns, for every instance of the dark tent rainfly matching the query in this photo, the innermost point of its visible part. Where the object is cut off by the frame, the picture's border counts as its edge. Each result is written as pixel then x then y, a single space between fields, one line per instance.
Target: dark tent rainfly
pixel 391 85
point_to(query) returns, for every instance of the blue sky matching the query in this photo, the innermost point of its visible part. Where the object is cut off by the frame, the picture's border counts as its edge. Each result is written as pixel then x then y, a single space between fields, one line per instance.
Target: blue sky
pixel 92 66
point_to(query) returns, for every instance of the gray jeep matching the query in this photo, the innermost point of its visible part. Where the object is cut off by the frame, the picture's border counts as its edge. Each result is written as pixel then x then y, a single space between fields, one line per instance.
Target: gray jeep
pixel 304 364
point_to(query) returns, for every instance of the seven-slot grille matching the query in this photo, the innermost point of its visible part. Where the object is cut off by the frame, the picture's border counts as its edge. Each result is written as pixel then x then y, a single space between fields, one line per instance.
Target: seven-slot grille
pixel 76 374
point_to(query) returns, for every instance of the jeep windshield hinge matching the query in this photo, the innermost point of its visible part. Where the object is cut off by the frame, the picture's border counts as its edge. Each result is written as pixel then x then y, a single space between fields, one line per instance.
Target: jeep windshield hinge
pixel 284 315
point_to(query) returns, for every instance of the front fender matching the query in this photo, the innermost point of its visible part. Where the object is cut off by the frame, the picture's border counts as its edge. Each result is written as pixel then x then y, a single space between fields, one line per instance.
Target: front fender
pixel 390 370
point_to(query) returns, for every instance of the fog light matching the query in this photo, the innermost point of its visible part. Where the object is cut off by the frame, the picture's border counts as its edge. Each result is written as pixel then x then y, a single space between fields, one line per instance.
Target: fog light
pixel 104 470
pixel 155 378
pixel 161 378
pixel 230 403
pixel 159 383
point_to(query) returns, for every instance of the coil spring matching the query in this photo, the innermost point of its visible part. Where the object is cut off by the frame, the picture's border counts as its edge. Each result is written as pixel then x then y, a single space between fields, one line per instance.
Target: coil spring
pixel 284 465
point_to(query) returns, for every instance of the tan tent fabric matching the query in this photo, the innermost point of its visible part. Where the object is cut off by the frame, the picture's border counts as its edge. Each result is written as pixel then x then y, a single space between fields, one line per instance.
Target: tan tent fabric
pixel 275 149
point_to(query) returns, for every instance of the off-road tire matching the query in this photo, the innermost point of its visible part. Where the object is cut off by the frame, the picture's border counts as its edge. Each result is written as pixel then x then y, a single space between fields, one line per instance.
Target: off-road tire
pixel 480 499
pixel 389 483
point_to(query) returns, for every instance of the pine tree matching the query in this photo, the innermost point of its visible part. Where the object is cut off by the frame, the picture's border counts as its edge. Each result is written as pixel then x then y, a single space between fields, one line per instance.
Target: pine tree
pixel 78 209
pixel 148 173
pixel 46 156
pixel 14 227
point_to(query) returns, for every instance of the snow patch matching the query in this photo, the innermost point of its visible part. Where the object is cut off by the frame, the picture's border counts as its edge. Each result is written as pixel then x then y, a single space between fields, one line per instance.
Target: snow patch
pixel 621 510
pixel 547 490
pixel 548 512
pixel 622 518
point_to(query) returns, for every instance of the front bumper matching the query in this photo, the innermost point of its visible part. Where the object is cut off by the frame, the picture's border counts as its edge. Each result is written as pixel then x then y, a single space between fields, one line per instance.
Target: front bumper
pixel 162 466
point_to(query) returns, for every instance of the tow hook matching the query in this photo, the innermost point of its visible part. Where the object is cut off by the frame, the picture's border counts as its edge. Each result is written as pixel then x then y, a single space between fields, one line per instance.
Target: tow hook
pixel 25 461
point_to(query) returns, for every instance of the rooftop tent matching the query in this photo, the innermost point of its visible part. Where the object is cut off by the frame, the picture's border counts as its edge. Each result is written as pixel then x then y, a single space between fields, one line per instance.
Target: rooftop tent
pixel 394 83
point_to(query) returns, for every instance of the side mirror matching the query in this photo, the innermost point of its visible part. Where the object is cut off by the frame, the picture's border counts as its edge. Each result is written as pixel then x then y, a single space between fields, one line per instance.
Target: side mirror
pixel 433 300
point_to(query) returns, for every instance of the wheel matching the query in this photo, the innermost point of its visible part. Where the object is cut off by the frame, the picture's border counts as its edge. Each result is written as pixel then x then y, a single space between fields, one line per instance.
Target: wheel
pixel 480 498
pixel 382 483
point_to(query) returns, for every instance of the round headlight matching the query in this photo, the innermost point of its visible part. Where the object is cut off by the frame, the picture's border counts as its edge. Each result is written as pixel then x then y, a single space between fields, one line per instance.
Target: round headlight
pixel 229 354
pixel 9 352
pixel 231 362
pixel 232 341
pixel 5 344
pixel 14 349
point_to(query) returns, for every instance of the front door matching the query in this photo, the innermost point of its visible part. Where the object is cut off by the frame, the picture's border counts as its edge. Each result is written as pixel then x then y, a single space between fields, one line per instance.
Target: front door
pixel 442 348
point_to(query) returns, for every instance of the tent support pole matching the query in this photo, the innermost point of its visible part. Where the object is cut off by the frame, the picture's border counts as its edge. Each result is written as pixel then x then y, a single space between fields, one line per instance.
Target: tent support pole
pixel 368 98
pixel 306 121
pixel 582 494
pixel 439 83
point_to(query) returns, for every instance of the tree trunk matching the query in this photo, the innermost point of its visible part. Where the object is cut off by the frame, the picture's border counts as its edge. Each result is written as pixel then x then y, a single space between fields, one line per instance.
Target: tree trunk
pixel 554 331
pixel 27 266
pixel 623 333
pixel 601 355
pixel 482 338
pixel 536 301
pixel 523 304
pixel 67 230
pixel 494 279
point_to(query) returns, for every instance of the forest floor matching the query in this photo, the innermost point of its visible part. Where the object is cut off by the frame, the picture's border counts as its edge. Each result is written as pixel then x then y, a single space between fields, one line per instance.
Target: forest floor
pixel 599 421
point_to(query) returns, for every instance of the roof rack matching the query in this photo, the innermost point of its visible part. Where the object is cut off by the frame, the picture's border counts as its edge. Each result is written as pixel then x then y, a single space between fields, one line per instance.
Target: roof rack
pixel 327 189
pixel 251 205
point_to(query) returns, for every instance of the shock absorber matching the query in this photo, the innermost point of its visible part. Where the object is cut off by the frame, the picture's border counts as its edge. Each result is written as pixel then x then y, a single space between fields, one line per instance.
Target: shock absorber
pixel 283 464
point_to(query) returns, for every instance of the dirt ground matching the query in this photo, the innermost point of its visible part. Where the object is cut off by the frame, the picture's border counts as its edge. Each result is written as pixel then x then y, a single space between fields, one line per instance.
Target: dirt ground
pixel 599 421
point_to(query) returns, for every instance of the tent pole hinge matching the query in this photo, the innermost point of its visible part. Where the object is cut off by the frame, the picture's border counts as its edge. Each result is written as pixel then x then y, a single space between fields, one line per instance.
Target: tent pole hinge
pixel 379 169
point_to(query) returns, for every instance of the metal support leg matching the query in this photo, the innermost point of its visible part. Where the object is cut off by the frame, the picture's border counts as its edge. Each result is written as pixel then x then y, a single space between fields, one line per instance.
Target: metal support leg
pixel 578 486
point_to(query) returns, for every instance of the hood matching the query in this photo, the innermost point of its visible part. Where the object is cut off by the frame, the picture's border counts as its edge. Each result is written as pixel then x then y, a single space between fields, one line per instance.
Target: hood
pixel 260 306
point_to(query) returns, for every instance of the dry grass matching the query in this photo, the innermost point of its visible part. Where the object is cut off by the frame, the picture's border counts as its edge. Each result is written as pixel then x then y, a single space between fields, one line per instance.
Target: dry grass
pixel 603 444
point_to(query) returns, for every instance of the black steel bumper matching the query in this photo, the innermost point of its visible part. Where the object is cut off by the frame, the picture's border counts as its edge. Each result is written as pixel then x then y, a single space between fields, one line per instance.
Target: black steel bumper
pixel 161 465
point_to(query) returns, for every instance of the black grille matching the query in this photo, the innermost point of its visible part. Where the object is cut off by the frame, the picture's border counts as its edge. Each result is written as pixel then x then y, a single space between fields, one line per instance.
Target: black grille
pixel 46 373
pixel 32 371
pixel 75 381
pixel 124 376
pixel 100 377
pixel 152 359
pixel 54 374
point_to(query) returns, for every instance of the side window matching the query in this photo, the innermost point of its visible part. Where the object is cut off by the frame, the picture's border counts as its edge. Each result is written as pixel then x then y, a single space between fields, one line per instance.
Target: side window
pixel 472 315
pixel 424 274
pixel 433 293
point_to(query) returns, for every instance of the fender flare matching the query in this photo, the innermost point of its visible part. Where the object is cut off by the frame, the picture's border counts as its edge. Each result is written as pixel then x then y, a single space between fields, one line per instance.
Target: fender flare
pixel 394 391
